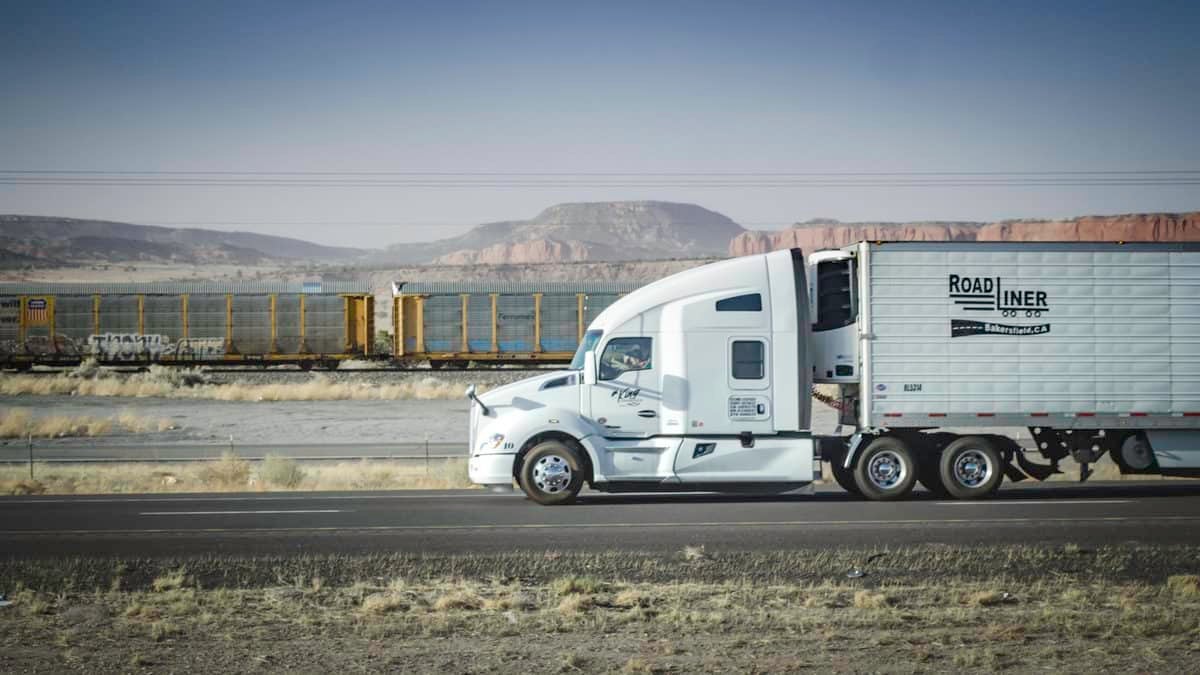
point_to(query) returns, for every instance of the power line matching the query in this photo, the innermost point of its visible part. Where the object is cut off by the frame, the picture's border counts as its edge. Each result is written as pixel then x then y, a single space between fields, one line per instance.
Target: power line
pixel 559 184
pixel 597 180
pixel 596 173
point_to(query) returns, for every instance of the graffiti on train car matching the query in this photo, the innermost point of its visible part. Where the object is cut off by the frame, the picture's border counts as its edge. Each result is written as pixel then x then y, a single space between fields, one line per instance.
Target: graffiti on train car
pixel 128 346
pixel 200 349
pixel 10 316
pixel 133 347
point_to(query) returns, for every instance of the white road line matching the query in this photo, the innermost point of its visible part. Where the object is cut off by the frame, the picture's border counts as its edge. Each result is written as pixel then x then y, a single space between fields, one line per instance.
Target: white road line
pixel 237 513
pixel 1039 502
pixel 298 497
pixel 381 529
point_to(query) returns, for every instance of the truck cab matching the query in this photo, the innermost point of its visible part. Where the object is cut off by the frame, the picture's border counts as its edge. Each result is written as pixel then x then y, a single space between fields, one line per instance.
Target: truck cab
pixel 697 382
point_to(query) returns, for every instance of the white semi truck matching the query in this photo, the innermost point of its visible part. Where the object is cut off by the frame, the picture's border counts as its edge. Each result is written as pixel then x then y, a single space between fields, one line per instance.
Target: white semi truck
pixel 935 352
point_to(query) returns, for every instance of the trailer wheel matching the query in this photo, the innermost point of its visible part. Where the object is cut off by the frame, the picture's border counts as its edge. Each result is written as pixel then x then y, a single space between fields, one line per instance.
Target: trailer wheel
pixel 971 468
pixel 886 470
pixel 930 476
pixel 551 474
pixel 1134 454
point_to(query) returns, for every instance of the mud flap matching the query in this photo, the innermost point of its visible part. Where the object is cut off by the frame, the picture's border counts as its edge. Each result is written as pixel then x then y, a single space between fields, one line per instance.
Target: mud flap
pixel 1014 474
pixel 1036 471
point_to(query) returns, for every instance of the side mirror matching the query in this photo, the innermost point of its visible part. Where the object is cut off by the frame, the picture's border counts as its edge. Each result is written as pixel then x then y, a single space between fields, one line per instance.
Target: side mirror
pixel 589 367
pixel 470 393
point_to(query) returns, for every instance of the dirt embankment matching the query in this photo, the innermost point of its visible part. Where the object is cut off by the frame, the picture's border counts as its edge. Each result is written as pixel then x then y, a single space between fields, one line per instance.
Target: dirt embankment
pixel 821 235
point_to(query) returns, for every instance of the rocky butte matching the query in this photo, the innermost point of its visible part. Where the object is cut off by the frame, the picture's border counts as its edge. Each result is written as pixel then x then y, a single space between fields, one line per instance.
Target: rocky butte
pixel 818 234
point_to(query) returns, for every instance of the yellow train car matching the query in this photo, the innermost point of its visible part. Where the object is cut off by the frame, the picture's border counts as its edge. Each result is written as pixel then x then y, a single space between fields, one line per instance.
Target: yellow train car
pixel 185 323
pixel 456 323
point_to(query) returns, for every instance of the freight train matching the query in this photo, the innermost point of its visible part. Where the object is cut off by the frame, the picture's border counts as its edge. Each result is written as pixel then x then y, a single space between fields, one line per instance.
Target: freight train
pixel 308 324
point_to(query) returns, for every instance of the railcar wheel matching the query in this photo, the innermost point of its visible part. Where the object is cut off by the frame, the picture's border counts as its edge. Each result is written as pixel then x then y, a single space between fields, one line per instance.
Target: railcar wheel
pixel 971 468
pixel 886 470
pixel 551 474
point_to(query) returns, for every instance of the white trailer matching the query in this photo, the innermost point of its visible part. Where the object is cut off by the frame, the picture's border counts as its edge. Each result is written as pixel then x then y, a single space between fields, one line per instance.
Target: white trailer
pixel 701 381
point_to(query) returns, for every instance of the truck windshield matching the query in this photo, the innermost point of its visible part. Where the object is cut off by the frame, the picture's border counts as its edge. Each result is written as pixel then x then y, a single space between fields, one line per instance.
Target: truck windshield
pixel 590 339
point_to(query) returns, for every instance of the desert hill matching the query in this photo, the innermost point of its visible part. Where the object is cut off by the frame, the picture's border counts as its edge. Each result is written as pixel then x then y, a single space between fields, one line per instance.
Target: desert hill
pixel 52 240
pixel 818 234
pixel 596 231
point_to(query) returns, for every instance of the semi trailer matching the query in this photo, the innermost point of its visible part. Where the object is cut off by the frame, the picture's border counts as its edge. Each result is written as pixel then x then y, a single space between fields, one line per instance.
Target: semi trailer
pixel 936 355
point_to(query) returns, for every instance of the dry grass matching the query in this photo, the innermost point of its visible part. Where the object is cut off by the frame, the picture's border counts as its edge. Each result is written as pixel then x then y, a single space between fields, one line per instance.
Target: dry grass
pixel 865 599
pixel 986 599
pixel 162 382
pixel 20 424
pixel 458 600
pixel 690 627
pixel 231 473
pixel 1185 586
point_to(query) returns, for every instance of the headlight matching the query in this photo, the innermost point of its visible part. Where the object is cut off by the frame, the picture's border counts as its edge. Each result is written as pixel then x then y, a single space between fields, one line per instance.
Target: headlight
pixel 492 443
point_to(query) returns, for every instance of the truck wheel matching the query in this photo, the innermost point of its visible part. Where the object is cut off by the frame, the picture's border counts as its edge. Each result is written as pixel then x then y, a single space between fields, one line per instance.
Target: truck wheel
pixel 930 476
pixel 971 468
pixel 886 470
pixel 844 477
pixel 551 474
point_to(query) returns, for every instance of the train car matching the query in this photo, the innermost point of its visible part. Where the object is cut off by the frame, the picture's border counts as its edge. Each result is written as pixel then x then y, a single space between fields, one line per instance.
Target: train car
pixel 457 323
pixel 185 323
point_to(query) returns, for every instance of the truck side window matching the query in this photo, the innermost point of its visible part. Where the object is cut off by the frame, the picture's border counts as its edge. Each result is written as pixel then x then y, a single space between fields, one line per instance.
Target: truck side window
pixel 623 355
pixel 835 295
pixel 741 303
pixel 749 360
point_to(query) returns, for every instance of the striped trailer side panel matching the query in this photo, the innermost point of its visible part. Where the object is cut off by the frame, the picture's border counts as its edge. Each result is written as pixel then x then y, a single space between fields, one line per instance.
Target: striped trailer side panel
pixel 1075 335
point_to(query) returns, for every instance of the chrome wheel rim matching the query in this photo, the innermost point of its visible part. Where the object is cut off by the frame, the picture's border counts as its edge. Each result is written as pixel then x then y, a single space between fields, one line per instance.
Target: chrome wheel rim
pixel 973 468
pixel 551 474
pixel 886 470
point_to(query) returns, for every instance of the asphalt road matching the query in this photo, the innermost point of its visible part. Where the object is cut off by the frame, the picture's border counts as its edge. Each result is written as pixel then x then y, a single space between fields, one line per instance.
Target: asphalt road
pixel 18 453
pixel 476 521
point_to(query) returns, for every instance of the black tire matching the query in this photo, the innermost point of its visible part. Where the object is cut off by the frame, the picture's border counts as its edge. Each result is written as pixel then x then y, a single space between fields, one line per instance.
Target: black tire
pixel 971 468
pixel 930 476
pixel 844 476
pixel 542 474
pixel 886 469
pixel 436 365
pixel 1134 454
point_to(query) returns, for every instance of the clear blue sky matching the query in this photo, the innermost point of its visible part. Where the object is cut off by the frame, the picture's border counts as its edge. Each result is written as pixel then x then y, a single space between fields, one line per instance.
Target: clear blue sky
pixel 553 87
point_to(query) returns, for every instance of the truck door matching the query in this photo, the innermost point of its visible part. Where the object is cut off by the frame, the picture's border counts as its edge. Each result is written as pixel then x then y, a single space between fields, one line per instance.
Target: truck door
pixel 627 396
pixel 741 396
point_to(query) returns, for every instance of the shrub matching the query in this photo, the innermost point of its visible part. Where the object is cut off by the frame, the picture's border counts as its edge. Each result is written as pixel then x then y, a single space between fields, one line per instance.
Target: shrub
pixel 282 471
pixel 228 472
